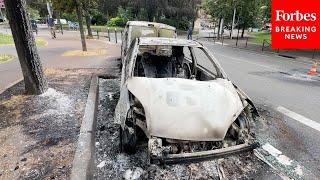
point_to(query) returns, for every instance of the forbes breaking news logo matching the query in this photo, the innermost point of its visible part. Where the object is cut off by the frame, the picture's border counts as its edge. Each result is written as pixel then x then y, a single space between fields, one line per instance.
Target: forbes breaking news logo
pixel 295 24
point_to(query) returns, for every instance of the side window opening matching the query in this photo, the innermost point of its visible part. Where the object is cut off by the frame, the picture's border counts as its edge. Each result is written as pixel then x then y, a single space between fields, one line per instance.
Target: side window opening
pixel 187 54
pixel 204 61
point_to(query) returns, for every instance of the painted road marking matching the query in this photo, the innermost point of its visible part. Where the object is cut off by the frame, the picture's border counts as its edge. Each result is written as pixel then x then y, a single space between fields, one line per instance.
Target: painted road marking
pixel 308 122
pixel 285 167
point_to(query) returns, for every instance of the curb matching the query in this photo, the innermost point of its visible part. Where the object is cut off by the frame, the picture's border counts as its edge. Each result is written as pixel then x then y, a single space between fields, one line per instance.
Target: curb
pixel 300 59
pixel 82 166
pixel 10 85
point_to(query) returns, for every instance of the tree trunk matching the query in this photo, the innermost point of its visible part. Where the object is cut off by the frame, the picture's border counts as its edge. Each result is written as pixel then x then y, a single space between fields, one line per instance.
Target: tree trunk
pixel 88 21
pixel 79 14
pixel 150 6
pixel 34 80
pixel 243 28
pixel 59 22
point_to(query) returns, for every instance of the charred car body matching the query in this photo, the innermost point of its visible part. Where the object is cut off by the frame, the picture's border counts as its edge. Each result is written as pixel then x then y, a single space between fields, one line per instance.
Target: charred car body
pixel 175 95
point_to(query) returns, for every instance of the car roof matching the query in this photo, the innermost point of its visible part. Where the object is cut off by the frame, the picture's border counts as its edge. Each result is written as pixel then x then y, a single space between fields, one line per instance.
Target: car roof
pixel 167 42
pixel 146 23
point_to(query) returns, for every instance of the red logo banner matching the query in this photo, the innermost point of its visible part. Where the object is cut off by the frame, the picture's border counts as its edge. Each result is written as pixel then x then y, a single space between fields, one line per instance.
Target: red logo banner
pixel 295 24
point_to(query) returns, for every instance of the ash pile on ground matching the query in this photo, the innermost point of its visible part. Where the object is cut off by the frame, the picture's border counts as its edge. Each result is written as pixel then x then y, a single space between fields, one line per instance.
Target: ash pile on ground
pixel 111 164
pixel 38 134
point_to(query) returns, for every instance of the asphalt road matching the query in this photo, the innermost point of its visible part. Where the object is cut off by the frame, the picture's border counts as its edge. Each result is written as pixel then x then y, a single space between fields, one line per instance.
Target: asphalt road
pixel 274 82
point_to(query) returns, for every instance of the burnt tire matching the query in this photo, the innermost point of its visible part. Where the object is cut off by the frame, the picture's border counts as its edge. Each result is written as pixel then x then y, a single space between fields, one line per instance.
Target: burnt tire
pixel 128 140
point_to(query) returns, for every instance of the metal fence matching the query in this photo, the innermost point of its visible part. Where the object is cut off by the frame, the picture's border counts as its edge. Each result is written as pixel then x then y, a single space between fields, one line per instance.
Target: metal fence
pixel 113 35
pixel 263 46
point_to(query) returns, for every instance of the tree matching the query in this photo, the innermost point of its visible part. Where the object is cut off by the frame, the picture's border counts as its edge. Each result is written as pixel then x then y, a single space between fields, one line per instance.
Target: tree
pixel 69 6
pixel 79 14
pixel 86 5
pixel 220 9
pixel 248 14
pixel 34 80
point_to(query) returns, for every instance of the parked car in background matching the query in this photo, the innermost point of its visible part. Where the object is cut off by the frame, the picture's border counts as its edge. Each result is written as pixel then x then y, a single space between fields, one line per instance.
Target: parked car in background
pixel 136 29
pixel 62 21
pixel 73 25
pixel 34 26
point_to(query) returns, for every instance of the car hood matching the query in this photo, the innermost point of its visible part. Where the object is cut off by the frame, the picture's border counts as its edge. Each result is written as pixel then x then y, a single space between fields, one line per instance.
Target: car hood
pixel 187 109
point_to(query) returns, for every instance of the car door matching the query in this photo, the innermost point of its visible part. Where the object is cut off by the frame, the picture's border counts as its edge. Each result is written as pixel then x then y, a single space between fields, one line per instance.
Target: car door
pixel 124 104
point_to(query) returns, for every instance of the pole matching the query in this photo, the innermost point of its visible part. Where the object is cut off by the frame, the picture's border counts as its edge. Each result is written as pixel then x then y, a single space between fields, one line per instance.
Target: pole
pixel 233 19
pixel 247 42
pixel 109 35
pixel 49 9
pixel 221 27
pixel 61 28
pixel 222 40
pixel 115 33
pixel 237 37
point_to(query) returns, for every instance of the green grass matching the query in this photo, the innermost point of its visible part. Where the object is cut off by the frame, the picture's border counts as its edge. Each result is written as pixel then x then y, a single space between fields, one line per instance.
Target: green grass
pixel 259 37
pixel 6 39
pixel 40 41
pixel 6 57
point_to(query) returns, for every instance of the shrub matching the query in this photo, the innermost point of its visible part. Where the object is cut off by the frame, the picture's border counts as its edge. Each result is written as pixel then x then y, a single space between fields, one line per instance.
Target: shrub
pixel 179 24
pixel 98 18
pixel 116 21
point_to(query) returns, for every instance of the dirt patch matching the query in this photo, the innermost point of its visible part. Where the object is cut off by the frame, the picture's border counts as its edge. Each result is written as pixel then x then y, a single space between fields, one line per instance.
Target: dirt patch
pixel 111 164
pixel 38 134
pixel 91 52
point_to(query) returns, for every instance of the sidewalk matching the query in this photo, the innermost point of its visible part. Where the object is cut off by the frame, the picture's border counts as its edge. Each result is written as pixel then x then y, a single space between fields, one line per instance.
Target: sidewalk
pixel 51 56
pixel 309 55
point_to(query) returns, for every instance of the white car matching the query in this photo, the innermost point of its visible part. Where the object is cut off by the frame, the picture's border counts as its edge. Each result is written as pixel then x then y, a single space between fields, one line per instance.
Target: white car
pixel 136 29
pixel 175 96
pixel 62 21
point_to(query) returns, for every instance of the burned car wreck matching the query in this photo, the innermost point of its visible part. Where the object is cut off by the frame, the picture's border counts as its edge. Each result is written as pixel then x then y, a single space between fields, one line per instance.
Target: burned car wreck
pixel 175 97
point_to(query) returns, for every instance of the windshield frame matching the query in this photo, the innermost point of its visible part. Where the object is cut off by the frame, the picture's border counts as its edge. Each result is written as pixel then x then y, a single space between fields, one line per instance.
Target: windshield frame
pixel 220 72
